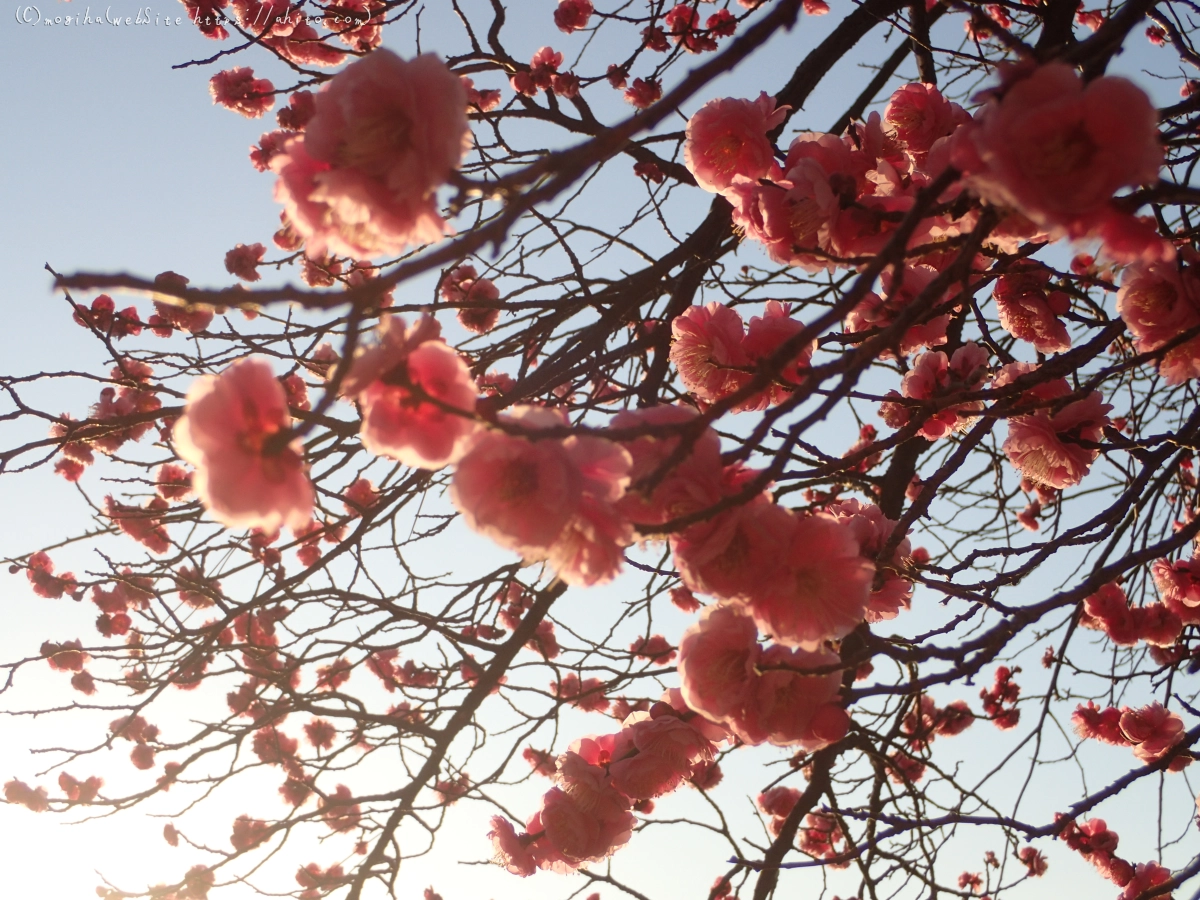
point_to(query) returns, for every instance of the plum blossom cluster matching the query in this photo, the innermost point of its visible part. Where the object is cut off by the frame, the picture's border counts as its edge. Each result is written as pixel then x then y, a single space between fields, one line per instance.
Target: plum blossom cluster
pixel 1056 149
pixel 820 835
pixel 1153 732
pixel 249 471
pixel 682 24
pixel 548 497
pixel 237 89
pixel 1000 700
pixel 576 501
pixel 924 722
pixel 588 814
pixel 760 695
pixel 1030 311
pixel 40 572
pixel 1097 843
pixel 717 356
pixel 1178 584
pixel 934 375
pixel 126 411
pixel 573 15
pixel 543 75
pixel 801 580
pixel 102 315
pixel 464 286
pixel 835 201
pixel 1108 610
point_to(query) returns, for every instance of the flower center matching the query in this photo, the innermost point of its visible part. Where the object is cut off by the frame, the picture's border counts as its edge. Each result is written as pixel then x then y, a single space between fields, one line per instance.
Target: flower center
pixel 805 220
pixel 373 142
pixel 518 480
pixel 724 152
pixel 1156 300
pixel 1062 154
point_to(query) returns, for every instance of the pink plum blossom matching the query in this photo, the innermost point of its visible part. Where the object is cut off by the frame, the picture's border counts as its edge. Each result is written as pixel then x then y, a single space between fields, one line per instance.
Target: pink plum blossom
pixel 582 776
pixel 463 285
pixel 549 498
pixel 1159 302
pixel 234 430
pixel 1057 149
pixel 1095 842
pixel 795 215
pixel 691 484
pixel 173 482
pixel 481 99
pixel 543 66
pixel 299 110
pixel 717 660
pixel 574 836
pixel 821 587
pixel 573 15
pixel 731 555
pixel 716 356
pixel 917 116
pixel 1043 446
pixel 873 530
pixel 566 85
pixel 1179 584
pixel 519 492
pixel 1146 876
pixel 761 695
pixel 361 180
pixel 764 336
pixel 243 261
pixel 143 524
pixel 1108 610
pixel 778 802
pixel 1028 517
pixel 934 375
pixel 643 93
pixel 1153 731
pixel 654 755
pixel 303 46
pixel 787 707
pixel 722 23
pixel 728 137
pixel 655 648
pixel 682 22
pixel 1159 625
pixel 590 549
pixel 510 850
pixel 899 293
pixel 1036 448
pixel 821 837
pixel 522 82
pixel 707 350
pixel 239 90
pixel 1029 312
pixel 417 396
pixel 1104 725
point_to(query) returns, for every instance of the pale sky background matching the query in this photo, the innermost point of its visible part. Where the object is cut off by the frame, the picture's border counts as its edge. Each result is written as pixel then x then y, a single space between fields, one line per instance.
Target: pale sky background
pixel 113 160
